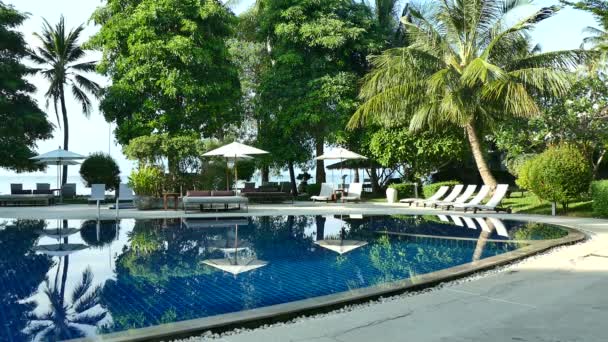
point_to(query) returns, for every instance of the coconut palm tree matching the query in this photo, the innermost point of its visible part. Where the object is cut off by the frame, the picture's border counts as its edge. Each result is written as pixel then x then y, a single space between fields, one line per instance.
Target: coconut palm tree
pixel 464 66
pixel 66 319
pixel 59 56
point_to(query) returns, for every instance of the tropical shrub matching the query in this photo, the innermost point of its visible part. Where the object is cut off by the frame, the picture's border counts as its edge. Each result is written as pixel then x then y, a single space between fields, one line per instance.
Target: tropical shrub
pixel 523 174
pixel 599 193
pixel 561 174
pixel 313 189
pixel 100 168
pixel 146 181
pixel 430 189
pixel 404 190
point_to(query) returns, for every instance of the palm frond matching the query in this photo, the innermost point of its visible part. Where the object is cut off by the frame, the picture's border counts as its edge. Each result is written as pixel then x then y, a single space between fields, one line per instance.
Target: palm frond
pixel 90 319
pixel 85 66
pixel 83 99
pixel 90 86
pixel 83 286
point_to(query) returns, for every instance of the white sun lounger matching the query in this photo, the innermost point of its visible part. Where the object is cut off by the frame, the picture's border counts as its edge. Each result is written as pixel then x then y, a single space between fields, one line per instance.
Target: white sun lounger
pixel 456 190
pixel 98 194
pixel 124 194
pixel 354 192
pixel 492 204
pixel 457 220
pixel 468 192
pixel 470 223
pixel 325 193
pixel 436 196
pixel 483 192
pixel 499 226
pixel 443 218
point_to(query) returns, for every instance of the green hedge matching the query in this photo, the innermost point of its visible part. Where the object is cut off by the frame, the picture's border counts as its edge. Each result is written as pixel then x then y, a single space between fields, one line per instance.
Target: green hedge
pixel 599 193
pixel 313 189
pixel 404 190
pixel 429 190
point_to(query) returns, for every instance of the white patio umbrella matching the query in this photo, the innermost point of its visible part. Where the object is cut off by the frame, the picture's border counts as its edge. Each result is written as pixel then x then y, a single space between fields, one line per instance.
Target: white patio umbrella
pixel 60 249
pixel 341 154
pixel 341 246
pixel 234 151
pixel 58 233
pixel 58 157
pixel 236 264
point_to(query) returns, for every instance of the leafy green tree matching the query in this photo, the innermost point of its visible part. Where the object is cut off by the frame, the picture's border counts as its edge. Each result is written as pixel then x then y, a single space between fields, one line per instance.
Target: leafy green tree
pixel 465 67
pixel 417 154
pixel 100 168
pixel 169 65
pixel 579 118
pixel 23 123
pixel 317 50
pixel 60 60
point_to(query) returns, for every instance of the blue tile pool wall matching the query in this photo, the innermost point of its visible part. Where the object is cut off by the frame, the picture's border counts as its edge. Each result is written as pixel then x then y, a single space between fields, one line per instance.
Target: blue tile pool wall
pixel 159 275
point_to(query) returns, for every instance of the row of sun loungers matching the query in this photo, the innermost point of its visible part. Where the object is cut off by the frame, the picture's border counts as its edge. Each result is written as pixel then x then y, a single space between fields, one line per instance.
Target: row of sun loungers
pixel 457 198
pixel 461 221
pixel 328 193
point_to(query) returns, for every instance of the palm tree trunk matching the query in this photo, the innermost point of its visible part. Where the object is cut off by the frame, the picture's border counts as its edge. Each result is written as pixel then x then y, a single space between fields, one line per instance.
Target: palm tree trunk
pixel 596 165
pixel 292 179
pixel 320 172
pixel 64 112
pixel 482 165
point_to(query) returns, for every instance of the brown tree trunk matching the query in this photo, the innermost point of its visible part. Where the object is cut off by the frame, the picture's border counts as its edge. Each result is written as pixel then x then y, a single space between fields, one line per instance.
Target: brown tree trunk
pixel 320 172
pixel 66 133
pixel 265 174
pixel 596 165
pixel 373 178
pixel 480 161
pixel 320 222
pixel 292 179
pixel 356 179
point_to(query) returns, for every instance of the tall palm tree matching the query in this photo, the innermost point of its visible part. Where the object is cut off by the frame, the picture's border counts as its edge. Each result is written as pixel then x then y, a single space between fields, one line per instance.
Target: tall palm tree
pixel 66 319
pixel 59 56
pixel 464 66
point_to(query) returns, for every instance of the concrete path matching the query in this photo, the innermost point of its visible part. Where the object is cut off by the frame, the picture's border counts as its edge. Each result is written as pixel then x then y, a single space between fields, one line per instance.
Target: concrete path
pixel 560 296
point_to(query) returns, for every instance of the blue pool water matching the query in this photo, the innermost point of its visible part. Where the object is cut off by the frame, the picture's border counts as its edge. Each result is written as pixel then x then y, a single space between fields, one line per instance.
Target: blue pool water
pixel 101 277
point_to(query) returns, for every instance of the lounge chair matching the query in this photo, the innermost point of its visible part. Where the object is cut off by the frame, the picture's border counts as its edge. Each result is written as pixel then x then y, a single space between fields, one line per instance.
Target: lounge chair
pixel 17 189
pixel 68 190
pixel 483 192
pixel 326 193
pixel 354 192
pixel 436 196
pixel 499 226
pixel 469 221
pixel 456 190
pixel 443 218
pixel 468 192
pixel 98 194
pixel 492 204
pixel 457 220
pixel 125 193
pixel 222 197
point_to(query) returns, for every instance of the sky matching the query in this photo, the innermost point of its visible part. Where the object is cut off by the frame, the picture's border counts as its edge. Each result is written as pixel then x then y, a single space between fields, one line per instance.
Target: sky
pixel 89 135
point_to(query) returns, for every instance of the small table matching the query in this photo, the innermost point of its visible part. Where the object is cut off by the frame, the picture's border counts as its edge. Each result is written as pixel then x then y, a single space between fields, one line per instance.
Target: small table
pixel 173 195
pixel 336 192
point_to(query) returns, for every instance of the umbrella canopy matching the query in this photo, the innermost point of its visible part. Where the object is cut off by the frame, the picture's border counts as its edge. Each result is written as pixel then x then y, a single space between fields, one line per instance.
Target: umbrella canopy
pixel 341 246
pixel 234 149
pixel 353 164
pixel 341 154
pixel 228 265
pixel 58 155
pixel 57 233
pixel 60 249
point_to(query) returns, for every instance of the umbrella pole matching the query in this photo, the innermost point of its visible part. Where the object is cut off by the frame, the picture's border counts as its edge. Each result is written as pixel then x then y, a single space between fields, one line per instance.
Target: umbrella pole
pixel 236 176
pixel 227 176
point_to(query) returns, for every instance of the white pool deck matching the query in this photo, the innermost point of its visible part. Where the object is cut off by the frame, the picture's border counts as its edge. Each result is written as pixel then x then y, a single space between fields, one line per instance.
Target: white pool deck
pixel 559 296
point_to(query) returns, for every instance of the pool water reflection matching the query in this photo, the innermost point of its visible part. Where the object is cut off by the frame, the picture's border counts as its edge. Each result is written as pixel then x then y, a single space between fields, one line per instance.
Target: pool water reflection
pixel 67 279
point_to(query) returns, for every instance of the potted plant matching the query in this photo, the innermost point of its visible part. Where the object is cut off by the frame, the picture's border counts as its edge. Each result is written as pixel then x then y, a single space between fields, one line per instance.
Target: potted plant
pixel 303 178
pixel 146 182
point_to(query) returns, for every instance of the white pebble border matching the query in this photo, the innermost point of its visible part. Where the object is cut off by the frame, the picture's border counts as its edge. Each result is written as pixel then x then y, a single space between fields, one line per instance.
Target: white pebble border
pixel 209 336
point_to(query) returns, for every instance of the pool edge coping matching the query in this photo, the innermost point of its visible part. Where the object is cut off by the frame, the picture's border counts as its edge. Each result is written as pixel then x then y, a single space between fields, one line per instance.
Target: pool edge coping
pixel 311 306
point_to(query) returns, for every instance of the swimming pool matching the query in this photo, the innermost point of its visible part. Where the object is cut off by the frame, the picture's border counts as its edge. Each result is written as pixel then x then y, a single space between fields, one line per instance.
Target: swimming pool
pixel 63 279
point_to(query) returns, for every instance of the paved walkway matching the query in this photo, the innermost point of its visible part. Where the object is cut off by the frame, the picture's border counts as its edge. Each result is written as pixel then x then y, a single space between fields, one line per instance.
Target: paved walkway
pixel 561 296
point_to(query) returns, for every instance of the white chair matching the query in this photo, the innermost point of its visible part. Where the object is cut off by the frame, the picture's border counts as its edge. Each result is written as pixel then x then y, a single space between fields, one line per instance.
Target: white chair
pixel 326 193
pixel 125 193
pixel 499 226
pixel 354 192
pixel 468 192
pixel 483 193
pixel 436 196
pixel 493 203
pixel 456 190
pixel 98 194
pixel 469 221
